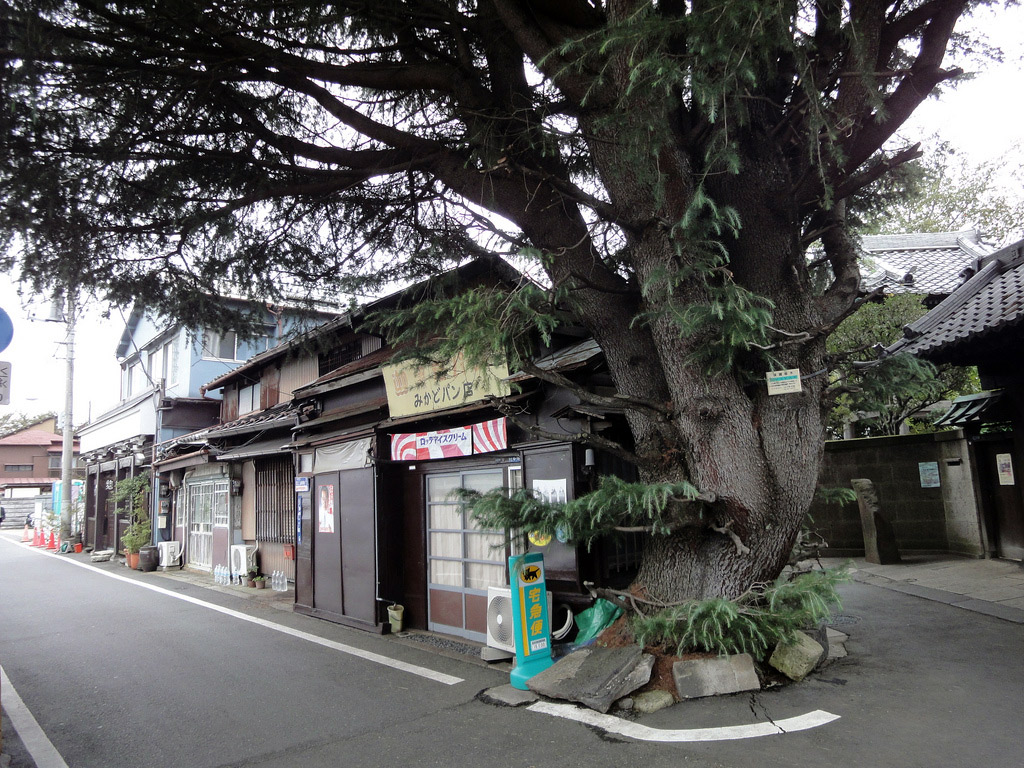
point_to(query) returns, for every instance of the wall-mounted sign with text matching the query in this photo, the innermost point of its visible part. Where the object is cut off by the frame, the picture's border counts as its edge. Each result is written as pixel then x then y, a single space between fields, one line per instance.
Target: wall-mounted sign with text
pixel 413 389
pixel 783 382
pixel 485 437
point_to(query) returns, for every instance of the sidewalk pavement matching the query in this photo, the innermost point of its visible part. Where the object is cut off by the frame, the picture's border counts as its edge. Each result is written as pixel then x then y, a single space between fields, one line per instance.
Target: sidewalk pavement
pixel 992 587
pixel 266 596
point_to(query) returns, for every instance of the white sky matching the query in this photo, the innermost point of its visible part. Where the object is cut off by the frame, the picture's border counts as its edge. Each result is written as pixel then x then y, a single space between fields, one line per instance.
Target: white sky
pixel 982 118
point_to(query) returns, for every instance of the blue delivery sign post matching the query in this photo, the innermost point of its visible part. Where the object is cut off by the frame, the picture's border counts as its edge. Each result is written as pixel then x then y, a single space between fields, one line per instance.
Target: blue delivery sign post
pixel 530 617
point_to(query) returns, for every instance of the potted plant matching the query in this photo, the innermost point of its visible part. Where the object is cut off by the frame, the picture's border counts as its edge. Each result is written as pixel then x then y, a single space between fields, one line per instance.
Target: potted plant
pixel 131 491
pixel 135 537
pixel 251 578
pixel 261 582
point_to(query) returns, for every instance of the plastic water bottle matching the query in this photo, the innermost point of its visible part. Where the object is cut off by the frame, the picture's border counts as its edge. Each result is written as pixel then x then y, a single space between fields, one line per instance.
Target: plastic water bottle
pixel 276 584
pixel 273 581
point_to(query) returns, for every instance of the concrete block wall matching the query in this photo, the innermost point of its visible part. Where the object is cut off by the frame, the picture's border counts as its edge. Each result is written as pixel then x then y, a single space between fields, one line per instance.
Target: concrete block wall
pixel 18 509
pixel 943 519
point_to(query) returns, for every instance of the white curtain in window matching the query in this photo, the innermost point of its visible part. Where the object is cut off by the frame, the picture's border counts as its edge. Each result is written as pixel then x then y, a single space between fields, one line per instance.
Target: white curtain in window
pixel 351 455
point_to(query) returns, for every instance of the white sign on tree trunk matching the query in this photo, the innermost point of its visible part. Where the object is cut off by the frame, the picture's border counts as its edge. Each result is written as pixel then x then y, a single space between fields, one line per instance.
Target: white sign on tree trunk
pixel 783 382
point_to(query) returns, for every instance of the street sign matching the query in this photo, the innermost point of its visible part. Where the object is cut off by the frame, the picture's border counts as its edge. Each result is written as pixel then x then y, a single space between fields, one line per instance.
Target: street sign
pixel 5 382
pixel 6 330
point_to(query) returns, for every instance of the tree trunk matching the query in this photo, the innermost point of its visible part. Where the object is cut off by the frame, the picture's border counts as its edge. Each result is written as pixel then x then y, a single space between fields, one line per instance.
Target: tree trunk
pixel 760 457
pixel 758 454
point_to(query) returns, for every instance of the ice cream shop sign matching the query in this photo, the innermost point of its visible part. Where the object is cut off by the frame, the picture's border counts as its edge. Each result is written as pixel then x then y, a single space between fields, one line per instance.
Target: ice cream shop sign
pixel 485 437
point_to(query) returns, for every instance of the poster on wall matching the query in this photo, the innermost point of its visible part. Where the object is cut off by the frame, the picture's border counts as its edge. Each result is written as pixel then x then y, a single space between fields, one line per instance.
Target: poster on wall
pixel 1004 465
pixel 551 491
pixel 929 474
pixel 325 510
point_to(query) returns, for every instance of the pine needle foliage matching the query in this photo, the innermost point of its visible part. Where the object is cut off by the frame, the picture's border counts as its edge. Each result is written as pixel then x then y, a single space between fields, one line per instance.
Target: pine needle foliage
pixel 482 325
pixel 614 505
pixel 754 623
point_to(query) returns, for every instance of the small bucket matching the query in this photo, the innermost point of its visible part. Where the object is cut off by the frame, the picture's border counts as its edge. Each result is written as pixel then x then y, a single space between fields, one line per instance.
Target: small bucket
pixel 395 617
pixel 78 547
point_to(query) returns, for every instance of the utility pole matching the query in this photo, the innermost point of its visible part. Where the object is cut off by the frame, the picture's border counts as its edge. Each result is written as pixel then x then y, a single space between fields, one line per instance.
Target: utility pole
pixel 67 447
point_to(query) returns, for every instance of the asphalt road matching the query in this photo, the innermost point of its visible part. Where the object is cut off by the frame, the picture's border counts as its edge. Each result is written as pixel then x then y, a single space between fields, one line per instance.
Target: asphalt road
pixel 117 674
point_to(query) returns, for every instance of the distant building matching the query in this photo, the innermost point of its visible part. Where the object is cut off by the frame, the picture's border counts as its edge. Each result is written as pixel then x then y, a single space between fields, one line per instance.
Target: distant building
pixel 30 460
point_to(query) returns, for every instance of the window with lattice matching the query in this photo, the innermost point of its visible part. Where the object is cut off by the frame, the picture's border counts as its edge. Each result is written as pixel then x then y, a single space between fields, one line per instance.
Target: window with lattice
pixel 339 355
pixel 275 500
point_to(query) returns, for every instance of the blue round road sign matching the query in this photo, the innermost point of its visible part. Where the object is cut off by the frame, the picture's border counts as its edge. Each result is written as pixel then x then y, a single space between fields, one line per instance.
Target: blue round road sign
pixel 6 330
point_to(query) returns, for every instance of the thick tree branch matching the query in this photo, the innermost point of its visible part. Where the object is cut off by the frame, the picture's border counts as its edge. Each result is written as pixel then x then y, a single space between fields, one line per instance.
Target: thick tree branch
pixel 587 438
pixel 617 402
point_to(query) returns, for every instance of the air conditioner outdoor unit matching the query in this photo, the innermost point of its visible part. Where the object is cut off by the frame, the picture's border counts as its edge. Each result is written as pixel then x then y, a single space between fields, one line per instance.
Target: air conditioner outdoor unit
pixel 499 623
pixel 169 553
pixel 243 558
pixel 499 619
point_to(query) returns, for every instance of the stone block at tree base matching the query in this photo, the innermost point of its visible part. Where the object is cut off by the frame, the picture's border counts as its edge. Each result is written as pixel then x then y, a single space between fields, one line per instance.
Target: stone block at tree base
pixel 715 675
pixel 652 701
pixel 798 659
pixel 595 677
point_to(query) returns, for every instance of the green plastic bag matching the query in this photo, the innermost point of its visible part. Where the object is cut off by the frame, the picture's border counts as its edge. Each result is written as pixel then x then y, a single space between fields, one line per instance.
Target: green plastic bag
pixel 595 620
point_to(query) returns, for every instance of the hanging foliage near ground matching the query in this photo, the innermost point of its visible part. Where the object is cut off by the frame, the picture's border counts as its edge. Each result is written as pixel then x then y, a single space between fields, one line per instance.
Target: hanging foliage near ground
pixel 663 166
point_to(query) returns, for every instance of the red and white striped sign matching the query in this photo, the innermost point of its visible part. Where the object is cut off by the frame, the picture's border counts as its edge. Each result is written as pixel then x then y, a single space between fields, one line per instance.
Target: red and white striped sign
pixel 444 443
pixel 485 437
pixel 403 447
pixel 490 436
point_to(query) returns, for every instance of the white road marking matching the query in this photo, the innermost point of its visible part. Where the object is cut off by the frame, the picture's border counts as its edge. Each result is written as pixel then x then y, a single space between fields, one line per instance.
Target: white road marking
pixel 622 727
pixel 41 749
pixel 376 658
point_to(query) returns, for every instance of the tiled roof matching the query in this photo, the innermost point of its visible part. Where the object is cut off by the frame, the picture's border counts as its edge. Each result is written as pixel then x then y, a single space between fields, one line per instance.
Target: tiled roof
pixel 926 262
pixel 991 300
pixel 31 437
pixel 278 415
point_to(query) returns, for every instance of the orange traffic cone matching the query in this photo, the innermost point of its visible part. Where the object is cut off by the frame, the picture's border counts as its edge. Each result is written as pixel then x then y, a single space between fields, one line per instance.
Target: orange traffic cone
pixel 25 535
pixel 52 544
pixel 37 538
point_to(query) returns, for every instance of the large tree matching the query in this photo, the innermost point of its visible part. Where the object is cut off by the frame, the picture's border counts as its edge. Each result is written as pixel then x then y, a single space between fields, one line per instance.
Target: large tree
pixel 665 165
